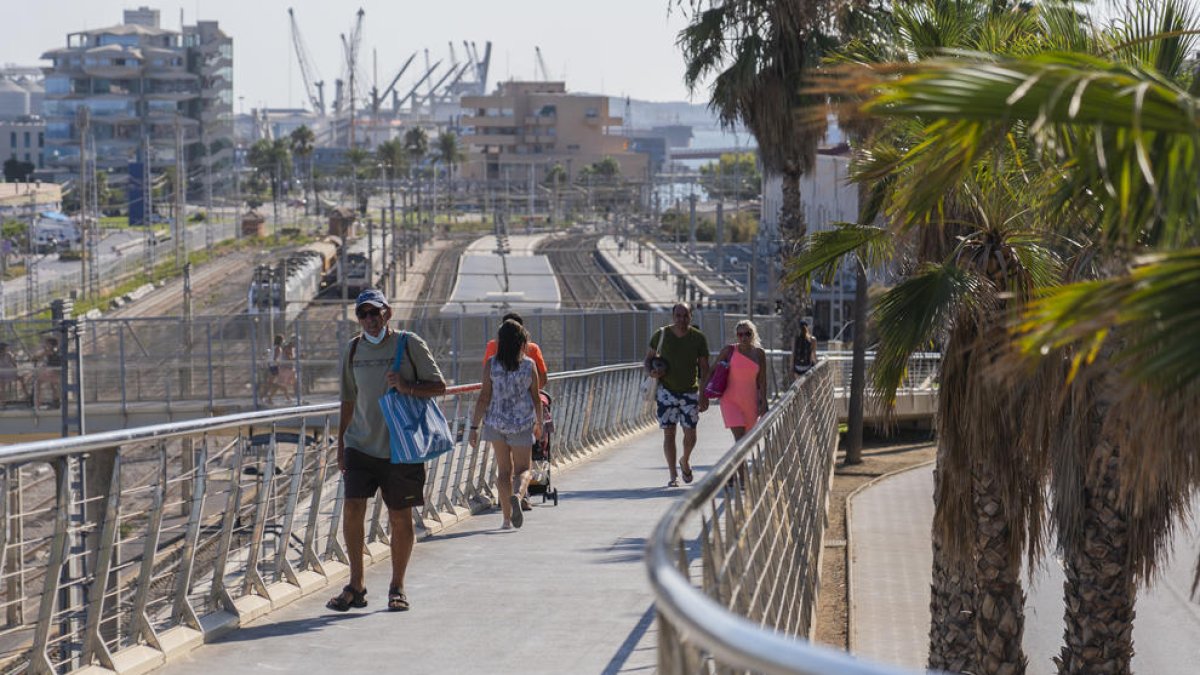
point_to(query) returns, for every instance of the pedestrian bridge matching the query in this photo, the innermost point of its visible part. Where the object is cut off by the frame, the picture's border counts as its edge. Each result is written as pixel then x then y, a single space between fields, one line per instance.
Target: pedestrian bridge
pixel 211 546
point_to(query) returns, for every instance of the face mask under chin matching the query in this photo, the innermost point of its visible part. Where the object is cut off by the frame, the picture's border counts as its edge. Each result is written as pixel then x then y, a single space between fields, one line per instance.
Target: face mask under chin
pixel 373 339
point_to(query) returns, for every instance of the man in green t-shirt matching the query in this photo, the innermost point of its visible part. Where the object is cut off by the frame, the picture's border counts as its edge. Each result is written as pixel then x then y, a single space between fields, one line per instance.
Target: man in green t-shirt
pixel 364 446
pixel 678 359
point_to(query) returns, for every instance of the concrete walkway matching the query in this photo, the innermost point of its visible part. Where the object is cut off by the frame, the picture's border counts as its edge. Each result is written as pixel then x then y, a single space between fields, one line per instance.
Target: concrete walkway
pixel 567 593
pixel 890 563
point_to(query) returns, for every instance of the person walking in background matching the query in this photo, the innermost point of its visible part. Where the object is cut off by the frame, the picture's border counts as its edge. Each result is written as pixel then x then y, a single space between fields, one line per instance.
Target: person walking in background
pixel 49 375
pixel 274 381
pixel 364 447
pixel 287 368
pixel 745 397
pixel 531 350
pixel 804 350
pixel 678 359
pixel 511 412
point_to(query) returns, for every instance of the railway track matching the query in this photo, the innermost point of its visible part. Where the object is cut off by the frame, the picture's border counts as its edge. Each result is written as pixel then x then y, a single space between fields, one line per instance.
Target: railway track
pixel 585 283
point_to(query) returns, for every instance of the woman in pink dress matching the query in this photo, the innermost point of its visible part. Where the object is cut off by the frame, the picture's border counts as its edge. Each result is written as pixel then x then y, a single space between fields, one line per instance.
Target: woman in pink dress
pixel 745 397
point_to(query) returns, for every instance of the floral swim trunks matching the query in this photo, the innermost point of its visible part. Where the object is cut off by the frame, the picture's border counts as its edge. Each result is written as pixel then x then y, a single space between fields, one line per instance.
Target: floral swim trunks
pixel 677 409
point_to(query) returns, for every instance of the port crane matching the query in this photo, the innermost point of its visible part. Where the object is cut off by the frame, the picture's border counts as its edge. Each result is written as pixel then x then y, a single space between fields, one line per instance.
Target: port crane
pixel 314 86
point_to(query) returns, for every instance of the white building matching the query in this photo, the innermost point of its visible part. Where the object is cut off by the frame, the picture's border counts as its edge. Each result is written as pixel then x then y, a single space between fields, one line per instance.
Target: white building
pixel 827 197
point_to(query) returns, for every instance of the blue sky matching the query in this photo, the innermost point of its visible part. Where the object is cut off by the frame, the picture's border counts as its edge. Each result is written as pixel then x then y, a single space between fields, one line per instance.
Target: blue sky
pixel 620 47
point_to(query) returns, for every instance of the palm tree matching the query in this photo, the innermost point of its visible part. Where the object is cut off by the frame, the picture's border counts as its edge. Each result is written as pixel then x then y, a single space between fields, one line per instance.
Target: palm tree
pixel 416 143
pixel 394 159
pixel 303 141
pixel 555 176
pixel 758 53
pixel 1125 469
pixel 272 158
pixel 978 534
pixel 450 153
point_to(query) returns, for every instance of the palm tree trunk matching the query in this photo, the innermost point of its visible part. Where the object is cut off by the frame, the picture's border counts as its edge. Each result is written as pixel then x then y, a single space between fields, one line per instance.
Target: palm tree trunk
pixel 1099 592
pixel 858 369
pixel 952 614
pixel 1000 606
pixel 791 232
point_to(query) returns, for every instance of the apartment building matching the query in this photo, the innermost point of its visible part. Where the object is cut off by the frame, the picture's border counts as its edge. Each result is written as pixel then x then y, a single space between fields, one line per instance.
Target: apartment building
pixel 524 128
pixel 138 82
pixel 23 139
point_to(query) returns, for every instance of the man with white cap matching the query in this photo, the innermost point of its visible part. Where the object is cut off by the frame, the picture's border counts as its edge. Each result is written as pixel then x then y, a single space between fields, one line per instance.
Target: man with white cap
pixel 364 450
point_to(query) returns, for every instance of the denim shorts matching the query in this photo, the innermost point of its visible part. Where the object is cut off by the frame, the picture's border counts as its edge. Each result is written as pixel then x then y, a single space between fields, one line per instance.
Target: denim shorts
pixel 521 439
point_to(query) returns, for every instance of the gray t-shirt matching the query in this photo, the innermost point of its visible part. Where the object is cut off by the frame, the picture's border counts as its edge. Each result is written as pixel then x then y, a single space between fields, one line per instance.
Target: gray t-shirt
pixel 368 433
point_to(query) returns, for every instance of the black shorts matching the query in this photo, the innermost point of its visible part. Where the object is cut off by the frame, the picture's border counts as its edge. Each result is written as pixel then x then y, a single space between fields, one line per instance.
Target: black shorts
pixel 403 485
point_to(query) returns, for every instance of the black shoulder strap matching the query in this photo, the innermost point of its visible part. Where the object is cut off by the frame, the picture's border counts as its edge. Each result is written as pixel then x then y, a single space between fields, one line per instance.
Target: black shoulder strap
pixel 353 348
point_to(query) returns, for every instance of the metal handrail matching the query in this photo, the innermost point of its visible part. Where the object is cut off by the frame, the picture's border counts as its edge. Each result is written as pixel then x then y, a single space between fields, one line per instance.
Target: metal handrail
pixel 196 526
pixel 697 625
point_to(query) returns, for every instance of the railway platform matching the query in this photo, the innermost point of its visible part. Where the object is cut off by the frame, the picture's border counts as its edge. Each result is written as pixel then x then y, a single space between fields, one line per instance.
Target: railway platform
pixel 642 271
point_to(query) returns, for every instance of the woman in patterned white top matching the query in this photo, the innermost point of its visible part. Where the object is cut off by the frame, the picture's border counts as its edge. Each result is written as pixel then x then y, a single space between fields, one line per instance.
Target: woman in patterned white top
pixel 511 411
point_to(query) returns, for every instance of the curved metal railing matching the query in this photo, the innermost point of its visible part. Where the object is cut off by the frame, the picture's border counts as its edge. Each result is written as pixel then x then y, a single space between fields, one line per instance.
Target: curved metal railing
pixel 126 545
pixel 734 564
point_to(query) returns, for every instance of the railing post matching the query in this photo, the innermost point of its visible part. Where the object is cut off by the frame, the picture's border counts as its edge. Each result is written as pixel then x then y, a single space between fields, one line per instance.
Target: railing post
pixel 266 481
pixel 333 548
pixel 182 612
pixel 15 533
pixel 141 627
pixel 311 559
pixel 39 659
pixel 283 567
pixel 220 593
pixel 94 647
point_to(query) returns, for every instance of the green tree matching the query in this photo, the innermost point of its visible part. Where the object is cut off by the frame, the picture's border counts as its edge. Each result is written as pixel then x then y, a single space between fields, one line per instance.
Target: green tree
pixel 732 176
pixel 17 171
pixel 757 54
pixel 416 143
pixel 302 142
pixel 1123 335
pixel 272 162
pixel 451 154
pixel 976 255
pixel 394 158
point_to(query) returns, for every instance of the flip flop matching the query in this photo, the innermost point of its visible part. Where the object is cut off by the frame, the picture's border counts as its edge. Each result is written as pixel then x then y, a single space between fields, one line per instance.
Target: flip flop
pixel 686 473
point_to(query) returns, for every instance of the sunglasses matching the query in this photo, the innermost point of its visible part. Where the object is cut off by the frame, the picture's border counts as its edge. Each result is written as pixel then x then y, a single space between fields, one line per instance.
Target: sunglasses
pixel 366 312
pixel 743 333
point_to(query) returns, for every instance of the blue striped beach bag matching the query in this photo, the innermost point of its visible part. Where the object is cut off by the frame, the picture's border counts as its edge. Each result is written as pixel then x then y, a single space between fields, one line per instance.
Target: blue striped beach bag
pixel 417 429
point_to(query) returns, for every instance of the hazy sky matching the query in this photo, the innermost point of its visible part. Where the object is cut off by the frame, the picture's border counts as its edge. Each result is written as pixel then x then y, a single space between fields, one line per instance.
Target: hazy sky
pixel 620 47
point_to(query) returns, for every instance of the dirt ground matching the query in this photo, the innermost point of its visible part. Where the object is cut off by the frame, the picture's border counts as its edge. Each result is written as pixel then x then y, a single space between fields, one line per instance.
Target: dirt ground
pixel 880 457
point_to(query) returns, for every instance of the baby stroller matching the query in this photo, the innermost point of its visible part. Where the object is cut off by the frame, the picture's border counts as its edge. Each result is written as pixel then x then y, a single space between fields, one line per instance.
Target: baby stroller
pixel 539 484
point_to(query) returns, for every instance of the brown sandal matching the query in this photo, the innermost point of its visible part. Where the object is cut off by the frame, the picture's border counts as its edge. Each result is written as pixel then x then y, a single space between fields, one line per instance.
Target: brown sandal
pixel 339 602
pixel 397 600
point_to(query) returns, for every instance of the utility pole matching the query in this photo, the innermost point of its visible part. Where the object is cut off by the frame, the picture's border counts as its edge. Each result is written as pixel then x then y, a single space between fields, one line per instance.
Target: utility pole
pixel 31 281
pixel 208 206
pixel 180 183
pixel 692 223
pixel 82 121
pixel 147 211
pixel 92 241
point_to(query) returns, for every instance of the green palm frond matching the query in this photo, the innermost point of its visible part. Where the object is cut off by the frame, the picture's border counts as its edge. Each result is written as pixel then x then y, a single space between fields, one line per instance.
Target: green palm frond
pixel 1127 139
pixel 1157 35
pixel 1154 305
pixel 824 251
pixel 911 315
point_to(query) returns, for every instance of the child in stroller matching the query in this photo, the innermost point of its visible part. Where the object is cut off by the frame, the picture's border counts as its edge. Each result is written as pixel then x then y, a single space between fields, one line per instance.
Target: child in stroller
pixel 539 484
